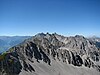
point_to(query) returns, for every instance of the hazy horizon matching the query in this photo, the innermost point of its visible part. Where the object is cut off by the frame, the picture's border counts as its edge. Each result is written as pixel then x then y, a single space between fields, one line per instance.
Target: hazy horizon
pixel 90 36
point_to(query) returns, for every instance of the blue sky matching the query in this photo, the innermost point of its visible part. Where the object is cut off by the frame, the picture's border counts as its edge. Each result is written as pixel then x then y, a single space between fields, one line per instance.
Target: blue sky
pixel 67 17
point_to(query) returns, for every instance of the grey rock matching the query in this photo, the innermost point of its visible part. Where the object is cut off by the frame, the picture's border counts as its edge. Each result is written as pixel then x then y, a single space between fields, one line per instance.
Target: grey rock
pixel 48 47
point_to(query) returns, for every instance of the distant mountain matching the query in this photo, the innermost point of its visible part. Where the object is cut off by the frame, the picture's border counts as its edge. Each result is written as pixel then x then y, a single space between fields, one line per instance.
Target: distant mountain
pixel 52 54
pixel 7 42
pixel 96 40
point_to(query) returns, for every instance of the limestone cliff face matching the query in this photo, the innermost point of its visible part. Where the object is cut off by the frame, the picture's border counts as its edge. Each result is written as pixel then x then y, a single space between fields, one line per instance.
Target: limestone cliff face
pixel 76 50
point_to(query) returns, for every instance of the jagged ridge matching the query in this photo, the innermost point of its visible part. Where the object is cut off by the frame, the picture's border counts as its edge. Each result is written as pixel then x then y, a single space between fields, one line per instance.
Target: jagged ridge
pixel 76 50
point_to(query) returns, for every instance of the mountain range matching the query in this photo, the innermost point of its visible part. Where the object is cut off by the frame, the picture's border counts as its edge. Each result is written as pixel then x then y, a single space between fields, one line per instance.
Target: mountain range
pixel 52 54
pixel 7 42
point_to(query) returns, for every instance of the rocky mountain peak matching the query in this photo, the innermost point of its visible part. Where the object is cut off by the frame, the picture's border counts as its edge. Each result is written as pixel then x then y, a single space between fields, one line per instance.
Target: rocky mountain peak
pixel 79 36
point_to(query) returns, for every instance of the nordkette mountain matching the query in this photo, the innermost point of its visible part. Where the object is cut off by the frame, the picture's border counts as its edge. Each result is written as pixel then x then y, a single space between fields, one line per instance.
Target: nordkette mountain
pixel 52 54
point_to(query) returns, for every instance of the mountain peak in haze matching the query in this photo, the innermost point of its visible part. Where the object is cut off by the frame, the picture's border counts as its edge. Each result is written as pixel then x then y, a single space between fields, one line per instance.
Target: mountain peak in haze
pixel 7 42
